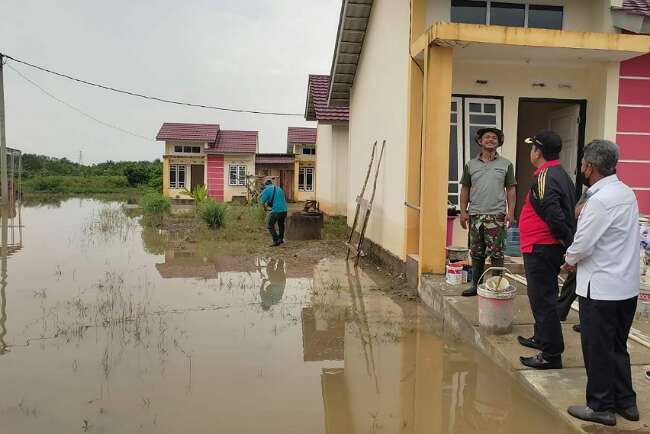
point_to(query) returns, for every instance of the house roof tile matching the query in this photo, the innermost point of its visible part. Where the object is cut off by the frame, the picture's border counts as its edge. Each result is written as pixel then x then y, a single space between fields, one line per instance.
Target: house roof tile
pixel 183 131
pixel 274 159
pixel 301 135
pixel 318 108
pixel 639 7
pixel 234 142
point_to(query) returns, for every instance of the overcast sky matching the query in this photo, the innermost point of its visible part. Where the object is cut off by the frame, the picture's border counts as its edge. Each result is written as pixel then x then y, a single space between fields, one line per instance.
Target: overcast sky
pixel 253 54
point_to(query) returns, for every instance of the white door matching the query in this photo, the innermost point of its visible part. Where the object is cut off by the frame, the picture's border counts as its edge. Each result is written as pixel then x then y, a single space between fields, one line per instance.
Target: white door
pixel 565 122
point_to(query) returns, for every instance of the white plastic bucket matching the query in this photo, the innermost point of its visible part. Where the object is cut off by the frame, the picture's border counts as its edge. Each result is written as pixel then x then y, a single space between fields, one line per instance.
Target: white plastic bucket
pixel 496 304
pixel 454 274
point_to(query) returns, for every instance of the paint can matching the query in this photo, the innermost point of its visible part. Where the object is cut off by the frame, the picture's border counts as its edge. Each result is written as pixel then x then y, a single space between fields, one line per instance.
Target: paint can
pixel 496 304
pixel 454 273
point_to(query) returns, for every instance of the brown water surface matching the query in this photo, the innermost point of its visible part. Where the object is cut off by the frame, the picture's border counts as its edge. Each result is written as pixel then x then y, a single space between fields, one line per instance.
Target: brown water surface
pixel 107 327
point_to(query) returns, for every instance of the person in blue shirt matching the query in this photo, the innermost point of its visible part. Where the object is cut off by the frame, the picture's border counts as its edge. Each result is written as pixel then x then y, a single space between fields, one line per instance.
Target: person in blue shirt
pixel 273 197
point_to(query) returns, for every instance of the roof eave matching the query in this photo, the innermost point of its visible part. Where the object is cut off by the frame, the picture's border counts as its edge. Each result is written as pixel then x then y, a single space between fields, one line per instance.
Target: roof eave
pixel 353 23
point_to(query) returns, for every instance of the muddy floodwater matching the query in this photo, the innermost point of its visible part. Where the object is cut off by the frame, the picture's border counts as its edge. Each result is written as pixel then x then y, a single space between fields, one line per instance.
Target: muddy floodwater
pixel 107 327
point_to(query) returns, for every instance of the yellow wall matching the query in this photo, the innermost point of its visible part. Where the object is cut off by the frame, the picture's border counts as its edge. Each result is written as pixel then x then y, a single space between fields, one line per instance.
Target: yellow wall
pixel 187 162
pixel 301 196
pixel 230 190
pixel 169 153
pixel 166 176
pixel 304 161
pixel 579 15
pixel 378 111
pixel 332 168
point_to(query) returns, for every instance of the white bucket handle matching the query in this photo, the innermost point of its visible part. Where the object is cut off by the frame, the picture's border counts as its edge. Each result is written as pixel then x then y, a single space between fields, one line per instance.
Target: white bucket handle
pixel 480 280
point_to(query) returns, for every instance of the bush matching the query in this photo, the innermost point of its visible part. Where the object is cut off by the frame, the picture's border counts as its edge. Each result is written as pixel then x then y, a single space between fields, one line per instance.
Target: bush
pixel 47 184
pixel 200 194
pixel 136 175
pixel 155 204
pixel 156 183
pixel 75 184
pixel 213 213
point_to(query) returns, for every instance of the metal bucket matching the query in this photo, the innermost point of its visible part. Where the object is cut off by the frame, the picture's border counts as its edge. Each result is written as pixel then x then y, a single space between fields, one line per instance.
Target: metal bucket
pixel 456 253
pixel 496 303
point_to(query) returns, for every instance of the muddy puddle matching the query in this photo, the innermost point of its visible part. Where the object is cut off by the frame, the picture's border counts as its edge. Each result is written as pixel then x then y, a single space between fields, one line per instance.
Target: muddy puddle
pixel 107 327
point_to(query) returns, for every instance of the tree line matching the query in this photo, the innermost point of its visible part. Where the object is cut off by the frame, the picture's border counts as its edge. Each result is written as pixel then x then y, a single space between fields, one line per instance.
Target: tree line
pixel 43 173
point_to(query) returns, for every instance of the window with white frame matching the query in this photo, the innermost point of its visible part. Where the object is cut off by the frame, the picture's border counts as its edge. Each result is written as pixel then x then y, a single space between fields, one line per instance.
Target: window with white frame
pixel 180 149
pixel 308 150
pixel 237 174
pixel 478 113
pixel 306 179
pixel 176 176
pixel 468 115
pixel 498 13
pixel 455 150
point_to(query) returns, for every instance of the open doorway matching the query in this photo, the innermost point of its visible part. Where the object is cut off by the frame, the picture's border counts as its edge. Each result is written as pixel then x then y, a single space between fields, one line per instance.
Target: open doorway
pixel 565 117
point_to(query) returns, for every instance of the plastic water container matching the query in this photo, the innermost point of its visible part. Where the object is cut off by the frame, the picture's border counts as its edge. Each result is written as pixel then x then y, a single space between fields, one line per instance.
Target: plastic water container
pixel 513 246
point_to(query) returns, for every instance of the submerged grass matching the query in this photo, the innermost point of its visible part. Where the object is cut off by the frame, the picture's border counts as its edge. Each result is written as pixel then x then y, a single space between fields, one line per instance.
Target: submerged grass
pixel 109 222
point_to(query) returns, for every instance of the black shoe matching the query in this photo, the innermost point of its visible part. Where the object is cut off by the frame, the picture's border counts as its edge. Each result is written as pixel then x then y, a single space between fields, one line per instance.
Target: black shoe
pixel 630 413
pixel 469 292
pixel 576 328
pixel 275 244
pixel 529 342
pixel 539 362
pixel 583 412
pixel 647 375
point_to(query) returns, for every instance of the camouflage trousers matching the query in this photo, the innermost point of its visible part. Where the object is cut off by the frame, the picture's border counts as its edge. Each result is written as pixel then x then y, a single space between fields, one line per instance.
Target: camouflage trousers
pixel 487 236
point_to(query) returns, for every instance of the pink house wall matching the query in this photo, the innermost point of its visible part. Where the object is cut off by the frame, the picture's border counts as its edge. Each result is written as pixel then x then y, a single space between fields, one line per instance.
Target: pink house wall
pixel 215 176
pixel 633 132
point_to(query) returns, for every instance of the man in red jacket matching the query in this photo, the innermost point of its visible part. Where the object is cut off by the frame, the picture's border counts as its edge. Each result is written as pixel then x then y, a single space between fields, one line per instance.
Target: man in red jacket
pixel 546 228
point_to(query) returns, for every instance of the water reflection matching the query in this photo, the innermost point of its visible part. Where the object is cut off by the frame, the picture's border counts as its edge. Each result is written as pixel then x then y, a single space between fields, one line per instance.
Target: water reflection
pixel 400 376
pixel 146 331
pixel 11 241
pixel 274 281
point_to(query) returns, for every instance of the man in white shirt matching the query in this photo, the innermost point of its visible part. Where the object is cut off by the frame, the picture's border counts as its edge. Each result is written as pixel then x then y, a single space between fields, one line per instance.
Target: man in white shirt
pixel 605 251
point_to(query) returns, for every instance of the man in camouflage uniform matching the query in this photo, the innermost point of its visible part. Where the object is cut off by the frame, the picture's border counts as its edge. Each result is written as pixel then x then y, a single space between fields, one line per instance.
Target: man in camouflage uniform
pixel 487 203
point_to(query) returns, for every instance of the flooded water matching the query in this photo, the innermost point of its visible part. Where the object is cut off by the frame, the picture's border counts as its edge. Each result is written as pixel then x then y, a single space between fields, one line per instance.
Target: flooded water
pixel 109 328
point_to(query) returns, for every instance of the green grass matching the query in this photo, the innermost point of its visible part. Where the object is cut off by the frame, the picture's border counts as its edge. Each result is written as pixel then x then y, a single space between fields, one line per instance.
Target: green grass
pixel 77 184
pixel 335 228
pixel 155 204
pixel 213 213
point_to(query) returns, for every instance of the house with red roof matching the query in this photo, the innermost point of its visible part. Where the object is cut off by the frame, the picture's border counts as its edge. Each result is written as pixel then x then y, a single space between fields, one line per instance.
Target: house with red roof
pixel 301 143
pixel 204 154
pixel 279 167
pixel 426 75
pixel 332 144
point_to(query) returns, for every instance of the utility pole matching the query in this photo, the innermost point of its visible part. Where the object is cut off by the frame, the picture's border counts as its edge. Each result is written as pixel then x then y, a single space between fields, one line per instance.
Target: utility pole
pixel 4 187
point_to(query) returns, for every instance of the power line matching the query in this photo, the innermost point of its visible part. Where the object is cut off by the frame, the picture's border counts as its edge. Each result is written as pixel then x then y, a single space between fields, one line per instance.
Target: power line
pixel 140 95
pixel 81 112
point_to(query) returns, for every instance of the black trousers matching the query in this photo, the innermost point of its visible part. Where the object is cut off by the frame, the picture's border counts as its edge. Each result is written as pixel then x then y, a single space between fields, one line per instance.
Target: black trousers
pixel 276 218
pixel 542 268
pixel 605 326
pixel 567 296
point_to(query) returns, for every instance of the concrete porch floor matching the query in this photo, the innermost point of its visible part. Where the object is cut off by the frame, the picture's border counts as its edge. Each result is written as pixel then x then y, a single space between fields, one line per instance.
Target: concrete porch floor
pixel 555 388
